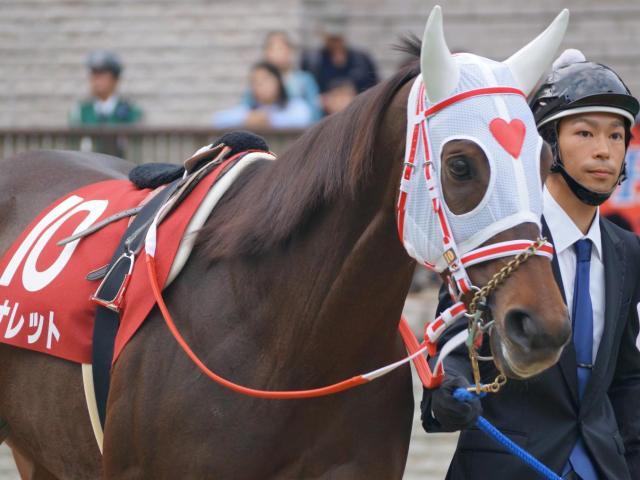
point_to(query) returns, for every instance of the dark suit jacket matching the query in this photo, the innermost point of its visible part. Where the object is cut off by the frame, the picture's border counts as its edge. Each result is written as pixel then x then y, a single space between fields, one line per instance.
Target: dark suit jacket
pixel 542 414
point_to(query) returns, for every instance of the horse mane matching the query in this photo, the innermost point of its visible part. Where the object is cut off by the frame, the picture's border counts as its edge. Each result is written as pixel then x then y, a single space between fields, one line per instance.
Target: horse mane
pixel 272 200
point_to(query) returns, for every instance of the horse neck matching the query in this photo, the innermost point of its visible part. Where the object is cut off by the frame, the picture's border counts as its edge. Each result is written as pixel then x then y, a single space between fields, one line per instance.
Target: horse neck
pixel 352 277
pixel 337 286
pixel 350 273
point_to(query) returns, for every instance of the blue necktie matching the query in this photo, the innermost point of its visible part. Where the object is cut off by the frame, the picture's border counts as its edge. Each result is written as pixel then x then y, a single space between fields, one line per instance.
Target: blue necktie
pixel 583 342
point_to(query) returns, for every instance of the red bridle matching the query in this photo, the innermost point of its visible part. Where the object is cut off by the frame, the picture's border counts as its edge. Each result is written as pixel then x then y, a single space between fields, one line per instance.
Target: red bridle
pixel 459 281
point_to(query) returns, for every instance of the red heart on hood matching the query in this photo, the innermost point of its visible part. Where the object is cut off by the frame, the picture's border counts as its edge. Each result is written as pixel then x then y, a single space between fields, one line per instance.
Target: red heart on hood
pixel 509 135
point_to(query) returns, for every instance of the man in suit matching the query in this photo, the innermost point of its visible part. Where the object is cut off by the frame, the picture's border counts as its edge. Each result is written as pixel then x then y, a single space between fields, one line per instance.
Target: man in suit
pixel 579 417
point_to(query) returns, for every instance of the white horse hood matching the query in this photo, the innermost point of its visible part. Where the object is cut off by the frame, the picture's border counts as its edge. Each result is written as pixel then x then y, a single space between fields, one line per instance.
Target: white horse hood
pixel 483 101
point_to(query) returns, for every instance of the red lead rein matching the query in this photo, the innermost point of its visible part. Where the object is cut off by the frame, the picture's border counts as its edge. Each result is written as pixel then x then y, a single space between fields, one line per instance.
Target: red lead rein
pixel 416 356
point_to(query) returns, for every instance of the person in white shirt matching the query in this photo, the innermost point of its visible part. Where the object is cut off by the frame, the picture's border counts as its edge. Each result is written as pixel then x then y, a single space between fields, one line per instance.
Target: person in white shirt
pixel 579 417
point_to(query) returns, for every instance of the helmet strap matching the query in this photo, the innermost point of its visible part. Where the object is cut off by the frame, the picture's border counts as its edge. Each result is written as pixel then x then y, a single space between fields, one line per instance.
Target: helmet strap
pixel 584 194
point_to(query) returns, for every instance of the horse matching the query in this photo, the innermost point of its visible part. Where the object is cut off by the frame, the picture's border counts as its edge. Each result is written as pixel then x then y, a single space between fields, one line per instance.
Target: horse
pixel 297 279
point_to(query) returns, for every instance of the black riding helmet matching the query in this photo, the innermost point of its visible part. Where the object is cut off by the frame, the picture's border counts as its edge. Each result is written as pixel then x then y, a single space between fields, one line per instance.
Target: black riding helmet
pixel 580 87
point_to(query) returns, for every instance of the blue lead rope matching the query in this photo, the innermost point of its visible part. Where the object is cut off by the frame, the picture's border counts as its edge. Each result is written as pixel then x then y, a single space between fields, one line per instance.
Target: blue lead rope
pixel 483 424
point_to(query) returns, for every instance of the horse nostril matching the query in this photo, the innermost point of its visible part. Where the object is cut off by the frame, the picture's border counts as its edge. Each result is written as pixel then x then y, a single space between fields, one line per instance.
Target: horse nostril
pixel 521 329
pixel 525 332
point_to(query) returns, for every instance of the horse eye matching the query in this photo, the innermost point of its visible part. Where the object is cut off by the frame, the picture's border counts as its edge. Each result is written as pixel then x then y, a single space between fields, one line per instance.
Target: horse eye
pixel 459 167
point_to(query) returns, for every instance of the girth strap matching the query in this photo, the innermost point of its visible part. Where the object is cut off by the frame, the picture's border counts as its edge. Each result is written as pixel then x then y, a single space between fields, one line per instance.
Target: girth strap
pixel 107 319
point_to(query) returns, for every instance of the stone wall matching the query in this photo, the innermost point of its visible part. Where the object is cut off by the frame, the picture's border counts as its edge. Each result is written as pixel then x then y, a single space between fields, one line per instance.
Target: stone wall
pixel 186 58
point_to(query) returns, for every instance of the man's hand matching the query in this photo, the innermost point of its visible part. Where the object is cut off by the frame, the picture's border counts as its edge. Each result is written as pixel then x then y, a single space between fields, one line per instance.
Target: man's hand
pixel 452 414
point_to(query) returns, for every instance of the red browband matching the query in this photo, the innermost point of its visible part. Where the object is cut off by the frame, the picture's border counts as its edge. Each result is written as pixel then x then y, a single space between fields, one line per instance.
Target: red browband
pixel 472 93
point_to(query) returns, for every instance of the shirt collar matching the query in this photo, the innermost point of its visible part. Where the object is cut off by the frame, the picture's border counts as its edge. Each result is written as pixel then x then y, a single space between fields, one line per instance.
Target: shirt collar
pixel 564 231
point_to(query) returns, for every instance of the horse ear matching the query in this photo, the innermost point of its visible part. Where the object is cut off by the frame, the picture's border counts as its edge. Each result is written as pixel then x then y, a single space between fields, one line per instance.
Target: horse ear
pixel 440 72
pixel 529 63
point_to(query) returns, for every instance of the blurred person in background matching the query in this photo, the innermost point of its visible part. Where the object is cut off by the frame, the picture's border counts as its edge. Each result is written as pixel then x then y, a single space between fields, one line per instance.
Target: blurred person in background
pixel 104 107
pixel 279 51
pixel 338 96
pixel 337 62
pixel 270 105
pixel 619 220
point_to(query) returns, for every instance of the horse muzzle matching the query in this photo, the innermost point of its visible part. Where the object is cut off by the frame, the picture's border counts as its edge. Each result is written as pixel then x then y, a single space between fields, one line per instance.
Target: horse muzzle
pixel 523 346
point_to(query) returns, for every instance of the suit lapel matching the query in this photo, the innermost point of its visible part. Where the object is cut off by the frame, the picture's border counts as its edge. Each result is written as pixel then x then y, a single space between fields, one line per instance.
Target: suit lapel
pixel 567 361
pixel 614 272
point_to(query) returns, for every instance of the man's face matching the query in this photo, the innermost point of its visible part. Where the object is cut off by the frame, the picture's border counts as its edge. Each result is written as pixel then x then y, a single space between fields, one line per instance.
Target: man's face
pixel 103 83
pixel 338 98
pixel 334 42
pixel 592 148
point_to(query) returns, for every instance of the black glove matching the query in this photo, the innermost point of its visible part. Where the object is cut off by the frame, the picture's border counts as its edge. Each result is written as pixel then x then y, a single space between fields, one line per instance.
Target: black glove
pixel 452 414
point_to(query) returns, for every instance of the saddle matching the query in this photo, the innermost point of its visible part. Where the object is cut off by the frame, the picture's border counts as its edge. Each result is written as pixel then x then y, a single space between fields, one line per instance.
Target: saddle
pixel 176 182
pixel 45 298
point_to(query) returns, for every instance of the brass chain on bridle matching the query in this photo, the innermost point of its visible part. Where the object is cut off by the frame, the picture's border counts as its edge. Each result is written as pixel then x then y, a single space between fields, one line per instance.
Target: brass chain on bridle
pixel 477 307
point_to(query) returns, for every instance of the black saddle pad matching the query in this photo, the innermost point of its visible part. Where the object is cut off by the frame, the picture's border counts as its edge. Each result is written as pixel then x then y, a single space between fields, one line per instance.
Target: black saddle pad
pixel 152 175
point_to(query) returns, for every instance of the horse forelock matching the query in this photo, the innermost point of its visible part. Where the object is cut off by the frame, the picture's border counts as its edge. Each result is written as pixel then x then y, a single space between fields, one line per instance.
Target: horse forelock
pixel 271 202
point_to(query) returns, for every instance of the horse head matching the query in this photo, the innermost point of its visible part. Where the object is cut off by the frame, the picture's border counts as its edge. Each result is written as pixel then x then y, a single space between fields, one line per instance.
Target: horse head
pixel 473 177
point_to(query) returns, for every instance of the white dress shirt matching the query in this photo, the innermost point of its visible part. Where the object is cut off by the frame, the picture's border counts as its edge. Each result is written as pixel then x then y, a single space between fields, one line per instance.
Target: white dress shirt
pixel 565 233
pixel 105 107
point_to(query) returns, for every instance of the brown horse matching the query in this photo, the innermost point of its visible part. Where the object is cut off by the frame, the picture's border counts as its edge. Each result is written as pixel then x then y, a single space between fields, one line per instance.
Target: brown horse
pixel 298 281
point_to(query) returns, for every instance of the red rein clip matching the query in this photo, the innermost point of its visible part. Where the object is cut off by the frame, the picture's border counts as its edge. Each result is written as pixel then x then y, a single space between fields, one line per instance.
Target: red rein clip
pixel 428 378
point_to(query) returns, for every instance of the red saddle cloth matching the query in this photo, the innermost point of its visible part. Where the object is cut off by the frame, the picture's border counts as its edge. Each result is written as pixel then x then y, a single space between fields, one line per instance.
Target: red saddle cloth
pixel 45 298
